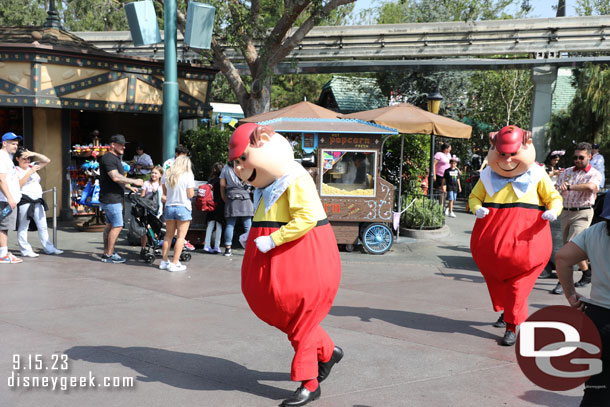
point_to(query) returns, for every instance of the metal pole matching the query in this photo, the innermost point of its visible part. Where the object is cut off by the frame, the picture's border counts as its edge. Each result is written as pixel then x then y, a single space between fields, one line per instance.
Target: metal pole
pixel 170 86
pixel 431 175
pixel 55 216
pixel 402 149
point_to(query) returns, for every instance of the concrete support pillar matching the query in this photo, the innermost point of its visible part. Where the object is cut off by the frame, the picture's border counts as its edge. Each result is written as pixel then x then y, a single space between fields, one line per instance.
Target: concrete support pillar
pixel 543 77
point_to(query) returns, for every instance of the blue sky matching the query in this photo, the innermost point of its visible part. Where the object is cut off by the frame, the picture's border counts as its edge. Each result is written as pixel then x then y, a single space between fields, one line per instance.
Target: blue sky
pixel 541 8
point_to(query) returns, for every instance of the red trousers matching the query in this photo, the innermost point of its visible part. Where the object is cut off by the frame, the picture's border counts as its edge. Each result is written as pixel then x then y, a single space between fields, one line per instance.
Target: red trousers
pixel 511 246
pixel 292 287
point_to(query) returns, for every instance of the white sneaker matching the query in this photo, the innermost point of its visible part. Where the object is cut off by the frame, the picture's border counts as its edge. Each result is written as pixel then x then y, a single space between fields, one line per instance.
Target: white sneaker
pixel 176 267
pixel 163 265
pixel 446 211
pixel 451 214
pixel 54 251
pixel 29 254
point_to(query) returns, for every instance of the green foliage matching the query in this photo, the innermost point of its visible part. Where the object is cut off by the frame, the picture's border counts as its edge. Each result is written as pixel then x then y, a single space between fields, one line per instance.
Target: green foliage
pixel 416 158
pixel 15 13
pixel 498 98
pixel 586 118
pixel 423 212
pixel 290 89
pixel 207 146
pixel 423 11
pixel 592 7
pixel 94 15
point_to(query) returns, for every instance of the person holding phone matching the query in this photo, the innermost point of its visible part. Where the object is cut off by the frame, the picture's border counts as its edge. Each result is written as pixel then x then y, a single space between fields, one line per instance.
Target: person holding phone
pixel 31 205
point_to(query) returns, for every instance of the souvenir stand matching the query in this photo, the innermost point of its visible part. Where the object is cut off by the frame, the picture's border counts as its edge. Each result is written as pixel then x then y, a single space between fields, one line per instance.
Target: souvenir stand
pixel 84 181
pixel 343 157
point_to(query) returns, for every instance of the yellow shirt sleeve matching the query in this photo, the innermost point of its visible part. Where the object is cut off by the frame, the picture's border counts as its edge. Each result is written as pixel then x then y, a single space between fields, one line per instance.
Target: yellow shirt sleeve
pixel 549 195
pixel 477 196
pixel 305 211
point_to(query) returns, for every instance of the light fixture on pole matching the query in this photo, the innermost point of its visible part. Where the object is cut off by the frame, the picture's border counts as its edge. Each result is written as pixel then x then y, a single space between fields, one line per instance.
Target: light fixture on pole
pixel 434 101
pixel 434 104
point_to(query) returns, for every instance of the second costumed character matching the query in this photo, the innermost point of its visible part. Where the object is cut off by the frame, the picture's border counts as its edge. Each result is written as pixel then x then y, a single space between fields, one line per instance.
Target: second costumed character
pixel 511 243
pixel 291 269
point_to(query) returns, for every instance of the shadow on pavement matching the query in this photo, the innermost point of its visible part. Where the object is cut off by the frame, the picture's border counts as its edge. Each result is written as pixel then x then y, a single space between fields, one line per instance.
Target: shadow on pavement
pixel 549 398
pixel 468 278
pixel 459 262
pixel 169 367
pixel 415 320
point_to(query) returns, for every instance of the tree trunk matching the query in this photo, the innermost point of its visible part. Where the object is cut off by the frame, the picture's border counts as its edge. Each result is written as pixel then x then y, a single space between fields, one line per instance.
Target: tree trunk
pixel 561 8
pixel 259 99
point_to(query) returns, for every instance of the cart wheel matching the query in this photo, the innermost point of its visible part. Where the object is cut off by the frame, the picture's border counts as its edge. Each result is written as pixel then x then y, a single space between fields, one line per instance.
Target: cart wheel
pixel 376 238
pixel 349 248
pixel 149 258
pixel 185 257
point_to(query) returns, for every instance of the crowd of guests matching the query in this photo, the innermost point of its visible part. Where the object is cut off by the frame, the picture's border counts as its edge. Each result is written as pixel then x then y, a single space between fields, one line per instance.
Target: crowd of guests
pixel 173 185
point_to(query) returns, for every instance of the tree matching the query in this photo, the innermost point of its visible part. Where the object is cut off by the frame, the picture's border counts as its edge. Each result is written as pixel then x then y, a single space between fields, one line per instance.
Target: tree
pixel 14 13
pixel 94 15
pixel 592 7
pixel 459 89
pixel 278 25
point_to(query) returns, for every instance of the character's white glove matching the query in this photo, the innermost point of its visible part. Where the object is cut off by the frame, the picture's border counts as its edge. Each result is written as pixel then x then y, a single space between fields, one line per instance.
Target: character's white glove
pixel 243 239
pixel 550 215
pixel 264 243
pixel 481 212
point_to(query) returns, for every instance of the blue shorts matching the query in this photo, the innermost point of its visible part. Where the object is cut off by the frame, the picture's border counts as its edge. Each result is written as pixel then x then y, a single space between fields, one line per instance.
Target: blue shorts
pixel 451 195
pixel 177 213
pixel 114 214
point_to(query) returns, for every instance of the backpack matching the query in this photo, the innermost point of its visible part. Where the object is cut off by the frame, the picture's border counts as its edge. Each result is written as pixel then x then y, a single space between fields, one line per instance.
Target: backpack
pixel 205 198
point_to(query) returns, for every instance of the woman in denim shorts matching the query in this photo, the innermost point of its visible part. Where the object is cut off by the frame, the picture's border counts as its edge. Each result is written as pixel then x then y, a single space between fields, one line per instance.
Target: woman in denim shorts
pixel 178 190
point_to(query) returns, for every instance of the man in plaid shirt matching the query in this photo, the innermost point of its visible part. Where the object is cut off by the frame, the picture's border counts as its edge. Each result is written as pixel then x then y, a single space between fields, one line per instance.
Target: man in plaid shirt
pixel 578 186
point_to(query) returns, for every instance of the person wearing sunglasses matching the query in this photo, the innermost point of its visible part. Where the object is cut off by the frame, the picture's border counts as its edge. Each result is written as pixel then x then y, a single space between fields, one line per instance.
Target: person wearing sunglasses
pixel 578 186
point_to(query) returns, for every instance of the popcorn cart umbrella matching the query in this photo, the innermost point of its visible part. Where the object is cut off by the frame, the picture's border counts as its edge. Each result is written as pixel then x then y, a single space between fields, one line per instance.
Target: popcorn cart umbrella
pixel 346 169
pixel 301 110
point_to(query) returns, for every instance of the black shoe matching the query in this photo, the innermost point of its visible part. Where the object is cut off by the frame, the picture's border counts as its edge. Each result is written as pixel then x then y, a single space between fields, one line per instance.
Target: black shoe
pixel 584 280
pixel 500 322
pixel 143 253
pixel 546 274
pixel 228 252
pixel 324 367
pixel 301 397
pixel 509 338
pixel 558 289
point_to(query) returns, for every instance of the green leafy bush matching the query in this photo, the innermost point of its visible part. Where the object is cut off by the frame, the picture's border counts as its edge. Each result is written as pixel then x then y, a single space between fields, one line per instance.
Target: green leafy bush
pixel 207 146
pixel 423 212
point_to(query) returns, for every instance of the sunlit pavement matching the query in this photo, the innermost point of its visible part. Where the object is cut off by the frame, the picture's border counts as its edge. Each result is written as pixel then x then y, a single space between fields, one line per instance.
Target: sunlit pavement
pixel 415 325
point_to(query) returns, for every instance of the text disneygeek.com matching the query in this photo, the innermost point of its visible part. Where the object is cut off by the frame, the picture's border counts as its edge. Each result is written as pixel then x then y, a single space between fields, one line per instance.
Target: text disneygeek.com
pixel 28 372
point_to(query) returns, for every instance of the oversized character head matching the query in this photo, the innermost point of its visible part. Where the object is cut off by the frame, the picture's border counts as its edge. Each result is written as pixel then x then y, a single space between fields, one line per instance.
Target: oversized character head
pixel 259 154
pixel 512 152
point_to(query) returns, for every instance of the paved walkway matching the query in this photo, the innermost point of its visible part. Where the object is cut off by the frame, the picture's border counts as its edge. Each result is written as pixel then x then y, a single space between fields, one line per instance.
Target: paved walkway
pixel 415 325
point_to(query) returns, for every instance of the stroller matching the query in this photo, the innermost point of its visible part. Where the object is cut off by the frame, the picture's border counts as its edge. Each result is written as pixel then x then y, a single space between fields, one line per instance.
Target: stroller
pixel 144 211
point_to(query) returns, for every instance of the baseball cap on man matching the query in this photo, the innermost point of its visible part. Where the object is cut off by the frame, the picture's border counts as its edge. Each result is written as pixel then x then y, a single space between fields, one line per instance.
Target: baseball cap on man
pixel 118 138
pixel 11 136
pixel 509 139
pixel 240 140
pixel 595 146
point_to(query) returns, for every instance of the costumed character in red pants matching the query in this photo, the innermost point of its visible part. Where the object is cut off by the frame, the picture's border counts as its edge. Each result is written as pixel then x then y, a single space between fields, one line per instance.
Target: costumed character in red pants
pixel 291 268
pixel 511 243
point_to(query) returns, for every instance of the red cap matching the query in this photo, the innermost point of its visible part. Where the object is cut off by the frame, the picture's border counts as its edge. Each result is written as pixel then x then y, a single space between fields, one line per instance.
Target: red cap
pixel 509 139
pixel 240 140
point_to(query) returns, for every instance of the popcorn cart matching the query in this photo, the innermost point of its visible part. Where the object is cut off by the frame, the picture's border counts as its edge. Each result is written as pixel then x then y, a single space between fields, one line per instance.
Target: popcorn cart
pixel 344 158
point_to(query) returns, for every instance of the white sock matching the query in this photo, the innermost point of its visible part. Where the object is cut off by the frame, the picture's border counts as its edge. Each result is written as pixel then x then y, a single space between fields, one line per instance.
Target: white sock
pixel 3 251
